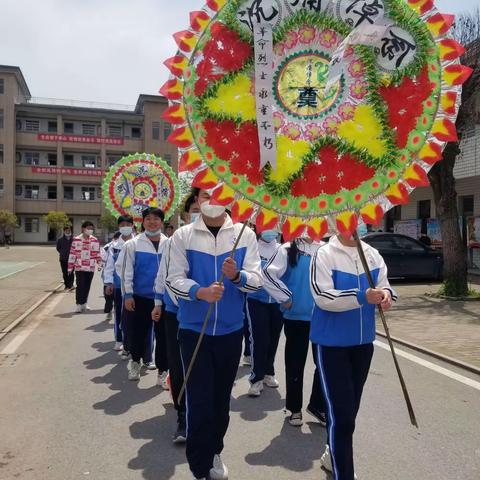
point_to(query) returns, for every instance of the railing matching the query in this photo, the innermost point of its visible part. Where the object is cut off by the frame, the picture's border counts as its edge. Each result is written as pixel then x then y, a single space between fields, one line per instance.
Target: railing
pixel 78 103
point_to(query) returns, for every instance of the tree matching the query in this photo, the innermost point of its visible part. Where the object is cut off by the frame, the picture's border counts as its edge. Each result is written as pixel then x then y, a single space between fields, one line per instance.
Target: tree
pixel 7 220
pixel 108 222
pixel 57 220
pixel 455 273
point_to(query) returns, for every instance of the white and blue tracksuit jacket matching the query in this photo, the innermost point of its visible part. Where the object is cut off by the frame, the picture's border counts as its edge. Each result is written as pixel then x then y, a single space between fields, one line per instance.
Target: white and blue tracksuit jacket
pixel 196 259
pixel 285 283
pixel 137 266
pixel 110 276
pixel 267 251
pixel 342 316
pixel 163 296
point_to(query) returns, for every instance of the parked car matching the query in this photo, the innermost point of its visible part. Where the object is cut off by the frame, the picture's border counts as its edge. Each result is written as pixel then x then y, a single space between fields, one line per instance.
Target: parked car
pixel 406 257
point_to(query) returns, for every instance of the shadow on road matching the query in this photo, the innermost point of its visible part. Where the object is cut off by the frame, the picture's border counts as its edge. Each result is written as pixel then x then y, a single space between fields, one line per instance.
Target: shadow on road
pixel 154 460
pixel 256 409
pixel 293 449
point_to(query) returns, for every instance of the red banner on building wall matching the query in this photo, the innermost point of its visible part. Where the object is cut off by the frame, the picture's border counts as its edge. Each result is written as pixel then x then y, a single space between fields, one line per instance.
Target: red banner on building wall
pixel 86 172
pixel 49 137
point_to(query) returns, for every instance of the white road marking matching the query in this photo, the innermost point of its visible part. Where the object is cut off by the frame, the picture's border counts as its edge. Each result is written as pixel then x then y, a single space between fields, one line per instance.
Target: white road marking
pixel 432 366
pixel 24 333
pixel 21 269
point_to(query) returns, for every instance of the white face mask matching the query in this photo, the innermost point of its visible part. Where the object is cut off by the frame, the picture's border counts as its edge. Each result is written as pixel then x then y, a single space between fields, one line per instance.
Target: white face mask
pixel 212 211
pixel 194 217
pixel 156 233
pixel 88 232
pixel 126 231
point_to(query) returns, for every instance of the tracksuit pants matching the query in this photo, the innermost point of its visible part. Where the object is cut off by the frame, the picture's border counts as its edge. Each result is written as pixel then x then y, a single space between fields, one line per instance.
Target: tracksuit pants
pixel 84 282
pixel 343 372
pixel 175 366
pixel 208 394
pixel 265 322
pixel 161 359
pixel 67 277
pixel 119 314
pixel 140 329
pixel 297 333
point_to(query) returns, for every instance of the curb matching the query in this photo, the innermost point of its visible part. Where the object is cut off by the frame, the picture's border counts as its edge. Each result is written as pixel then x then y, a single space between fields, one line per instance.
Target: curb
pixel 452 361
pixel 24 315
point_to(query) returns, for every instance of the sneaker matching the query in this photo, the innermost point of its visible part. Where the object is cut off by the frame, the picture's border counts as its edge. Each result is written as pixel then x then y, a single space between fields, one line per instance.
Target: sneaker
pixel 320 416
pixel 180 436
pixel 255 389
pixel 247 360
pixel 108 316
pixel 296 419
pixel 149 365
pixel 78 309
pixel 219 470
pixel 118 346
pixel 124 355
pixel 162 380
pixel 270 381
pixel 326 461
pixel 85 308
pixel 134 371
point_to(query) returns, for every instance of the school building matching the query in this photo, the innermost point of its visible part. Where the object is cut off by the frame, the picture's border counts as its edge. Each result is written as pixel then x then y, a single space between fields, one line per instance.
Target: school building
pixel 54 153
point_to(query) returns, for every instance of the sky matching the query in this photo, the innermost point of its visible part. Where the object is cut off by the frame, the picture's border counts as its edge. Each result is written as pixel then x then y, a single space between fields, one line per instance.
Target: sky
pixel 102 50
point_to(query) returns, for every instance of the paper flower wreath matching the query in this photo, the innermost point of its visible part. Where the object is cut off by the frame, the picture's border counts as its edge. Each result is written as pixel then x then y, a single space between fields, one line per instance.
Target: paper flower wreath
pixel 310 113
pixel 140 181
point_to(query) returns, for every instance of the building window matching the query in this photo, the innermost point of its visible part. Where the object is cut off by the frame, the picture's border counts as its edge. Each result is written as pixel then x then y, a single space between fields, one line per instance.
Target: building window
pixel 1 154
pixel 89 161
pixel 31 158
pixel 1 186
pixel 156 130
pixel 168 158
pixel 68 127
pixel 88 193
pixel 67 192
pixel 167 130
pixel 32 125
pixel 88 129
pixel 424 213
pixel 52 127
pixel 18 124
pixel 136 132
pixel 1 117
pixel 32 225
pixel 2 86
pixel 52 159
pixel 32 192
pixel 114 131
pixel 113 159
pixel 52 192
pixel 68 159
pixel 18 190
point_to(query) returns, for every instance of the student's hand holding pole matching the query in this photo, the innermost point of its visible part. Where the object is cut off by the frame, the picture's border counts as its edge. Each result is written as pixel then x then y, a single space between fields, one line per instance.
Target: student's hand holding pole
pixel 229 269
pixel 211 294
pixel 375 296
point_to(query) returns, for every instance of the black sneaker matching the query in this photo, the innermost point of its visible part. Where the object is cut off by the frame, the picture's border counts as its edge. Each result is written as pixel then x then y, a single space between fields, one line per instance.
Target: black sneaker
pixel 320 416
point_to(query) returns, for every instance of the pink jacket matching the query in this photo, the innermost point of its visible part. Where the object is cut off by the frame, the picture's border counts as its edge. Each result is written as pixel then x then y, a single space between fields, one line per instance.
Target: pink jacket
pixel 84 254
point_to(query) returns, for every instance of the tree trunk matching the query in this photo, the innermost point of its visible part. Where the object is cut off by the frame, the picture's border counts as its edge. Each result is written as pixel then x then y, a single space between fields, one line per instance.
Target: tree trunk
pixel 455 269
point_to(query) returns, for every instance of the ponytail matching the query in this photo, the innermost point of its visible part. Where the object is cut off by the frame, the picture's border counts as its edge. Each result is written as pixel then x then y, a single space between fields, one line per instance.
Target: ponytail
pixel 293 254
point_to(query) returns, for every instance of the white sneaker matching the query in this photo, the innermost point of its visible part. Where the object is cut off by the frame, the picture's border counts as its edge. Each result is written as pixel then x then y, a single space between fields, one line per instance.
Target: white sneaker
pixel 108 317
pixel 247 360
pixel 326 461
pixel 85 308
pixel 78 309
pixel 270 381
pixel 150 366
pixel 134 371
pixel 118 346
pixel 162 380
pixel 296 419
pixel 255 389
pixel 124 355
pixel 219 470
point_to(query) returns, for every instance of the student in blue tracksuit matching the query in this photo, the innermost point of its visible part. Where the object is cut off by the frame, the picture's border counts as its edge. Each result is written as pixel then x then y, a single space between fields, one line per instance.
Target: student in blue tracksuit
pixel 112 281
pixel 199 254
pixel 138 266
pixel 343 331
pixel 265 324
pixel 287 280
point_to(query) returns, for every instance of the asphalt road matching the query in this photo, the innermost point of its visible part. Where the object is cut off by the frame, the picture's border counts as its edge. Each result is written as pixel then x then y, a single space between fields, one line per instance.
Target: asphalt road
pixel 68 412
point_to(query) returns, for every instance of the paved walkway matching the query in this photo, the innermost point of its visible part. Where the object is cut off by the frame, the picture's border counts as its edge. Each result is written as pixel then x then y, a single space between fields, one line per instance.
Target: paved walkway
pixel 449 328
pixel 27 273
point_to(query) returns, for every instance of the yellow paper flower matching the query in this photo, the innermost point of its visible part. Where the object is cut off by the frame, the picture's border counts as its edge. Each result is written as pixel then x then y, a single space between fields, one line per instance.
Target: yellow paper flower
pixel 234 99
pixel 364 131
pixel 289 158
